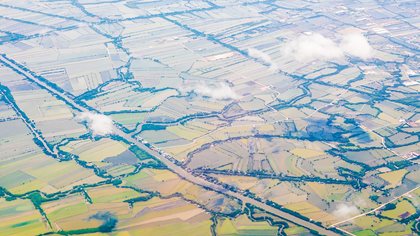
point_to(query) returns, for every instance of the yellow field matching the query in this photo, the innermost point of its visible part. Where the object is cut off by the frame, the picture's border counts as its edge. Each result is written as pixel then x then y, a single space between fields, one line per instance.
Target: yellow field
pixel 328 191
pixel 162 181
pixel 19 217
pixel 306 153
pixel 161 217
pixel 394 178
pixel 95 151
pixel 241 182
pixel 296 230
pixel 245 227
pixel 371 222
pixel 402 207
pixel 388 118
pixel 110 193
pixel 120 170
pixel 180 152
pixel 185 132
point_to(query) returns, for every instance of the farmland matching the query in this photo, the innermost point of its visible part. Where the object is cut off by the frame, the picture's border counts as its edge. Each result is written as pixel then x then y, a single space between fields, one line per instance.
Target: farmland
pixel 209 117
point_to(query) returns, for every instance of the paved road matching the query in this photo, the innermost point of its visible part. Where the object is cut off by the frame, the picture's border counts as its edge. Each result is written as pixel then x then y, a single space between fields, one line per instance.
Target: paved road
pixel 174 167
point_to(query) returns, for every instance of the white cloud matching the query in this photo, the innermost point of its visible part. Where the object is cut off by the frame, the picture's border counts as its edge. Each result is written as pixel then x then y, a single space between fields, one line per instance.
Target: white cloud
pixel 315 46
pixel 263 57
pixel 99 124
pixel 219 91
pixel 311 47
pixel 344 211
pixel 357 45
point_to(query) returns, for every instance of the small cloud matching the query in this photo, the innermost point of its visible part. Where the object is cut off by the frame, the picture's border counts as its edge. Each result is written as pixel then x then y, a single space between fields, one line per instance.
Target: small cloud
pixel 314 46
pixel 311 47
pixel 255 53
pixel 219 91
pixel 356 44
pixel 344 211
pixel 99 124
